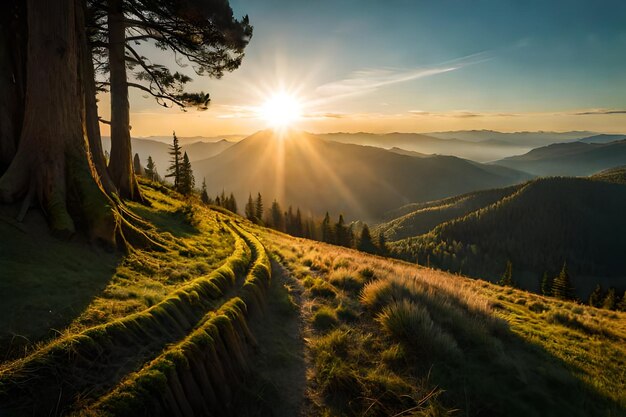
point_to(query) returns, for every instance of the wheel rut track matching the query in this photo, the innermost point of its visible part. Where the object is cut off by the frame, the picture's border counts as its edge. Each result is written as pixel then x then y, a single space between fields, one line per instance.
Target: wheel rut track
pixel 89 363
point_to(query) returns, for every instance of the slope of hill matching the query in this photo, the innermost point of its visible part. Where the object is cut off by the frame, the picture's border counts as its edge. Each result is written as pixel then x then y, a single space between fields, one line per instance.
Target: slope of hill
pixel 159 151
pixel 416 219
pixel 358 181
pixel 543 224
pixel 206 325
pixel 616 175
pixel 602 138
pixel 571 159
pixel 481 152
pixel 529 139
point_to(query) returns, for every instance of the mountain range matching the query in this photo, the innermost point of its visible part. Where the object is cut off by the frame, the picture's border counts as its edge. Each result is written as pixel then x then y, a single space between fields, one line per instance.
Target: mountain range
pixel 362 182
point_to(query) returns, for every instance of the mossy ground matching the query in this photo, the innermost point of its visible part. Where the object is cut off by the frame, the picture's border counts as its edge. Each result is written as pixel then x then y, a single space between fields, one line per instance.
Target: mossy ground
pixel 50 287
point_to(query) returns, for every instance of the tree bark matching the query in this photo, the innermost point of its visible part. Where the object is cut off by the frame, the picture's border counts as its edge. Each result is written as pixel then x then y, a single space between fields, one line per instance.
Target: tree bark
pixel 52 161
pixel 12 60
pixel 91 125
pixel 121 162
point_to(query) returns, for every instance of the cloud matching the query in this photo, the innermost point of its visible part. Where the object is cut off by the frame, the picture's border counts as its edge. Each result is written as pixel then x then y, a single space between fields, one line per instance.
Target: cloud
pixel 459 114
pixel 368 80
pixel 599 111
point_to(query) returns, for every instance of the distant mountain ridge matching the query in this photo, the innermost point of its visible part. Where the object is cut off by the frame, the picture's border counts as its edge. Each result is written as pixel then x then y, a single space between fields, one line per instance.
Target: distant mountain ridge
pixel 362 182
pixel 569 159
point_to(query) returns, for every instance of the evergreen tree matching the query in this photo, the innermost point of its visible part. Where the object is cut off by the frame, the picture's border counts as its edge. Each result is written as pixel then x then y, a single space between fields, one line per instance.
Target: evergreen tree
pixel 610 300
pixel 562 287
pixel 232 203
pixel 186 181
pixel 546 284
pixel 342 237
pixel 595 299
pixel 204 196
pixel 297 226
pixel 327 232
pixel 150 169
pixel 507 276
pixel 258 212
pixel 365 243
pixel 277 219
pixel 621 306
pixel 382 244
pixel 175 162
pixel 250 209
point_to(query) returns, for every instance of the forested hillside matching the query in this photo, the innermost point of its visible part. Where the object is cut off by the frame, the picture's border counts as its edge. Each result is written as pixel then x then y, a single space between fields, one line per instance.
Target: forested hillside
pixel 544 224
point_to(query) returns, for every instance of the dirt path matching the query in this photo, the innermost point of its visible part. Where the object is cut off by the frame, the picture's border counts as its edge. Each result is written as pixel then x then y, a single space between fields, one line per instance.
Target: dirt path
pixel 277 387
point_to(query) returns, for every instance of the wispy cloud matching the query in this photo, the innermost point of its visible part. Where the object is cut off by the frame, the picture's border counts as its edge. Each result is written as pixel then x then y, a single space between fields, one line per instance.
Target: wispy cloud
pixel 599 111
pixel 459 114
pixel 368 80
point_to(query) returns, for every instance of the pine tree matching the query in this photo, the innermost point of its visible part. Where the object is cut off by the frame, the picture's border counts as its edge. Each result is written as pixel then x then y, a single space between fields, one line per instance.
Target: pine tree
pixel 595 299
pixel 232 203
pixel 186 181
pixel 297 226
pixel 609 301
pixel 258 213
pixel 150 169
pixel 546 284
pixel 204 196
pixel 277 218
pixel 507 276
pixel 562 287
pixel 341 233
pixel 382 244
pixel 327 232
pixel 365 243
pixel 250 209
pixel 175 162
pixel 621 306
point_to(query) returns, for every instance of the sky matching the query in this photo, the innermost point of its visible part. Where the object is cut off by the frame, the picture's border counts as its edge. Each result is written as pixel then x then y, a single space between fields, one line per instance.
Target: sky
pixel 414 66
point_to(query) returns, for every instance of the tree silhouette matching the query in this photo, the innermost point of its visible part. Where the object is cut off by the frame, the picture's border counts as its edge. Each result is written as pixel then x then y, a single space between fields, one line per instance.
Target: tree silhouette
pixel 186 181
pixel 365 242
pixel 277 218
pixel 204 196
pixel 595 298
pixel 202 33
pixel 258 209
pixel 175 162
pixel 250 209
pixel 562 287
pixel 151 170
pixel 342 237
pixel 327 232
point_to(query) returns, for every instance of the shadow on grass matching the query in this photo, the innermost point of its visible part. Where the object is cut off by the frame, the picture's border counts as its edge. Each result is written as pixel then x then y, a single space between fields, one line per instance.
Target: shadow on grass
pixel 178 223
pixel 45 282
pixel 506 375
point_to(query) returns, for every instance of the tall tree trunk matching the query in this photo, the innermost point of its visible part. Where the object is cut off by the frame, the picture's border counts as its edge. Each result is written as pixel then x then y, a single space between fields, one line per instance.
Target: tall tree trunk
pixel 52 160
pixel 12 61
pixel 121 162
pixel 91 125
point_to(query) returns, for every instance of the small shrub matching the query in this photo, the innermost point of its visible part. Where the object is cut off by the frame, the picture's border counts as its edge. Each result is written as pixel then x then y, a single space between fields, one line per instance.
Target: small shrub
pixel 538 307
pixel 320 288
pixel 324 319
pixel 367 274
pixel 345 280
pixel 346 313
pixel 411 324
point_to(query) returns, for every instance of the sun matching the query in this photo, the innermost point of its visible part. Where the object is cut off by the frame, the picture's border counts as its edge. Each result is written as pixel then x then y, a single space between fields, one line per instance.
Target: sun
pixel 281 110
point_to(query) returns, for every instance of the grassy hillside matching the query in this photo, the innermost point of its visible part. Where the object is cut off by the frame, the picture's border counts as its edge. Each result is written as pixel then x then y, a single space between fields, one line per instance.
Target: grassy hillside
pixel 359 181
pixel 538 227
pixel 229 318
pixel 572 159
pixel 615 175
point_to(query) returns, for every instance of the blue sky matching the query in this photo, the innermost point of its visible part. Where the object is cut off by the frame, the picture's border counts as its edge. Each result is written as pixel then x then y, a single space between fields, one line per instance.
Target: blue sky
pixel 483 59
